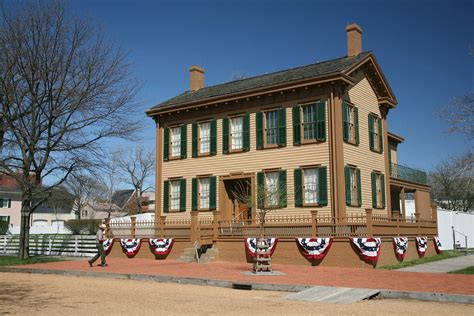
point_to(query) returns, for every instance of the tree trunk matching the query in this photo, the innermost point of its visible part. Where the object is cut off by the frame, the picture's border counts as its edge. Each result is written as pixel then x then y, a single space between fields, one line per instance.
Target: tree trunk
pixel 24 246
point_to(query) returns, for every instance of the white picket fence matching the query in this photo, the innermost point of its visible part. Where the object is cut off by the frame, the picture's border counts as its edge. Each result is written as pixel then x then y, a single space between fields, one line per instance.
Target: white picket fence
pixel 51 245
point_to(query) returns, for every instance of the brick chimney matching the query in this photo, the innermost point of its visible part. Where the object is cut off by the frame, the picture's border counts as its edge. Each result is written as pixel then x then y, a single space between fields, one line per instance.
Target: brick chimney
pixel 354 40
pixel 196 78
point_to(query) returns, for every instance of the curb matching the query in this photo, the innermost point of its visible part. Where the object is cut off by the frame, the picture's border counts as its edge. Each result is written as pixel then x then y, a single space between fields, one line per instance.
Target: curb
pixel 389 294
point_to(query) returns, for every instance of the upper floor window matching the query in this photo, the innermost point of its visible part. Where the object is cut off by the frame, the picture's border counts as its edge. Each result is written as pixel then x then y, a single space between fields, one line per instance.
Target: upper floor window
pixel 271 128
pixel 378 190
pixel 5 203
pixel 205 138
pixel 175 142
pixel 350 116
pixel 236 132
pixel 375 133
pixel 353 186
pixel 309 121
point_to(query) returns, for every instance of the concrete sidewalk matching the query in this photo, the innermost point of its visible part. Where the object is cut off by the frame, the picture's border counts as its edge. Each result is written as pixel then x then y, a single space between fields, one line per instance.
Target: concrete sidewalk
pixel 442 266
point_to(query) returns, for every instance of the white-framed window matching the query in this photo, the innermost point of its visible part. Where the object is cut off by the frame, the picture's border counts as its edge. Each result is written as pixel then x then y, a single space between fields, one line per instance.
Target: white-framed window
pixel 378 190
pixel 271 187
pixel 204 193
pixel 236 132
pixel 309 121
pixel 175 194
pixel 310 185
pixel 271 127
pixel 175 141
pixel 351 124
pixel 376 135
pixel 205 137
pixel 5 203
pixel 353 185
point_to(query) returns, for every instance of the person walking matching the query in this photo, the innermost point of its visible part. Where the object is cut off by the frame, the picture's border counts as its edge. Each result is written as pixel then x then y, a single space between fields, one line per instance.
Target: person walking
pixel 99 238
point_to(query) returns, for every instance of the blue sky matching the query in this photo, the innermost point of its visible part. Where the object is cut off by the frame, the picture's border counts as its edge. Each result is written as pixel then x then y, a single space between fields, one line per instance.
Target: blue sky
pixel 422 47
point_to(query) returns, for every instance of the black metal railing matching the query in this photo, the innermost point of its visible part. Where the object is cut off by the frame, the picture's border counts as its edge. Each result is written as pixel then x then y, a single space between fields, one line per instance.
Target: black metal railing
pixel 408 174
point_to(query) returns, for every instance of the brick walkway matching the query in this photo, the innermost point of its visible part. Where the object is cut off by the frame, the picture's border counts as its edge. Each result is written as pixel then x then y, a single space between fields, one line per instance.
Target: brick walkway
pixel 295 275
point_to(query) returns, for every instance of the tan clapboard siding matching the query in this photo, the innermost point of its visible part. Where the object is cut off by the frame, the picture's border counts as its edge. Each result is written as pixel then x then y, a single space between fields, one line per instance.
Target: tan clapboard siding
pixel 364 98
pixel 287 158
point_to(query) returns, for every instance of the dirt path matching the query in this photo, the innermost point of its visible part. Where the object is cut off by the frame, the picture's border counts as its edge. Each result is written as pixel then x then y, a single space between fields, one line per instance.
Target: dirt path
pixel 67 295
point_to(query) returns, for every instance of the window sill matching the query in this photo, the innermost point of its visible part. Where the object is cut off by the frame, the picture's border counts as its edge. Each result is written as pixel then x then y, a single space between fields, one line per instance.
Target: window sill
pixel 204 155
pixel 272 147
pixel 174 158
pixel 353 143
pixel 377 151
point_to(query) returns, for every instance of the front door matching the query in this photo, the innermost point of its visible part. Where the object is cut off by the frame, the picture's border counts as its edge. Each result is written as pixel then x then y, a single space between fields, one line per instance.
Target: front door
pixel 234 198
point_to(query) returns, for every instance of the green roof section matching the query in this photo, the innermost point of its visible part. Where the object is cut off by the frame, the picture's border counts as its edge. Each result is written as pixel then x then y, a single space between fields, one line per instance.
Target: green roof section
pixel 320 69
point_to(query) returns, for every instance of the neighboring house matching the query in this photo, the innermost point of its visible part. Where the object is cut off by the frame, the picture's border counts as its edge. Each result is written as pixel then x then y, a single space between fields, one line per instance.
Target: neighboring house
pixel 320 131
pixel 51 214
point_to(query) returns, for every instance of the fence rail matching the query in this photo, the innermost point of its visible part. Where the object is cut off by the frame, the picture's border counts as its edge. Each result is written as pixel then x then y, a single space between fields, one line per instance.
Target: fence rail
pixel 408 174
pixel 51 245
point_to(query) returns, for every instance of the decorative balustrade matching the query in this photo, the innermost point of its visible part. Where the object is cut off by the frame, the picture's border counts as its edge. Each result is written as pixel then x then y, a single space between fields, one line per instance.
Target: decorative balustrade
pixel 402 172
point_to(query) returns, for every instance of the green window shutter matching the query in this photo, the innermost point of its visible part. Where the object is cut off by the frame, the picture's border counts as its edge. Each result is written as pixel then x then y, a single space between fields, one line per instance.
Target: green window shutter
pixel 321 121
pixel 282 202
pixel 166 196
pixel 194 194
pixel 259 125
pixel 166 144
pixel 184 139
pixel 213 148
pixel 260 189
pixel 383 190
pixel 282 127
pixel 371 131
pixel 225 135
pixel 246 132
pixel 194 132
pixel 212 192
pixel 347 178
pixel 182 195
pixel 323 186
pixel 380 135
pixel 373 176
pixel 359 189
pixel 296 125
pixel 345 123
pixel 298 181
pixel 356 125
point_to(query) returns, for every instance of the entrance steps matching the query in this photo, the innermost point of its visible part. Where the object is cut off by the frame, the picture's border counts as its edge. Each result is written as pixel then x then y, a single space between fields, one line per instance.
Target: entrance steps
pixel 205 253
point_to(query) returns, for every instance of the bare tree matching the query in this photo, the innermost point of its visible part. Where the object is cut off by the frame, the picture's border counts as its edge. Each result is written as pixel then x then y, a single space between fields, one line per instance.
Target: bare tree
pixel 85 190
pixel 459 114
pixel 453 184
pixel 137 165
pixel 63 90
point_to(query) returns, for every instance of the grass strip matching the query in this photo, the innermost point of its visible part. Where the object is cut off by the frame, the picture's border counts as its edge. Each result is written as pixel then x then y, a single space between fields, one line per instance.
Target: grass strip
pixel 13 261
pixel 444 255
pixel 469 270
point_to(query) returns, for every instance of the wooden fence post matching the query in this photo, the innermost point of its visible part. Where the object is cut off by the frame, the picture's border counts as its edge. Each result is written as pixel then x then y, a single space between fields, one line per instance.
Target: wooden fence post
pixel 194 227
pixel 434 212
pixel 133 222
pixel 368 221
pixel 417 219
pixel 215 225
pixel 314 223
pixel 162 225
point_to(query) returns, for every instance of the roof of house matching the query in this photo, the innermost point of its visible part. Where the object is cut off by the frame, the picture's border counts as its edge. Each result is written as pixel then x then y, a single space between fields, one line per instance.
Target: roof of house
pixel 121 197
pixel 320 69
pixel 396 138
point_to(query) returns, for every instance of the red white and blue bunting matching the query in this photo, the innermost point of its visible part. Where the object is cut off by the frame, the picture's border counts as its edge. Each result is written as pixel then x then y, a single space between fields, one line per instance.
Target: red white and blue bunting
pixel 400 245
pixel 251 245
pixel 130 246
pixel 438 245
pixel 108 243
pixel 421 245
pixel 161 246
pixel 369 247
pixel 314 248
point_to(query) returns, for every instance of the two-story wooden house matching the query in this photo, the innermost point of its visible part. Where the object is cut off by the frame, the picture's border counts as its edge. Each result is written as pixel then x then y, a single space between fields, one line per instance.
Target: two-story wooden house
pixel 318 131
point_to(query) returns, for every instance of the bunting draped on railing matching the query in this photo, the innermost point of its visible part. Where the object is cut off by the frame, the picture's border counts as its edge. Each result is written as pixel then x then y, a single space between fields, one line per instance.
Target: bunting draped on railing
pixel 438 245
pixel 108 243
pixel 131 246
pixel 421 245
pixel 400 245
pixel 161 246
pixel 251 245
pixel 369 247
pixel 314 248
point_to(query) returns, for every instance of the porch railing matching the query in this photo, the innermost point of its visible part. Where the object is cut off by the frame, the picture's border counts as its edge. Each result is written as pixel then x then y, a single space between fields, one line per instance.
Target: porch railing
pixel 210 229
pixel 408 174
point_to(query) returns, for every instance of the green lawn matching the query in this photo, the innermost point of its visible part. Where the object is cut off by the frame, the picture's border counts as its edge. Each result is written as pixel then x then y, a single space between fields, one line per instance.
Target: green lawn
pixel 12 261
pixel 444 255
pixel 469 270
